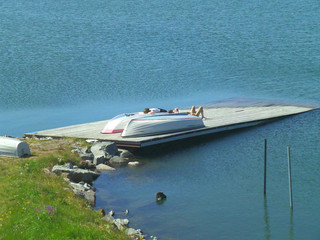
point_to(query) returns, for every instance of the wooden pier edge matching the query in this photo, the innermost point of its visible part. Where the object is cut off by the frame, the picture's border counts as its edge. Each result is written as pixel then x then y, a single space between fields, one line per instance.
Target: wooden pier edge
pixel 219 120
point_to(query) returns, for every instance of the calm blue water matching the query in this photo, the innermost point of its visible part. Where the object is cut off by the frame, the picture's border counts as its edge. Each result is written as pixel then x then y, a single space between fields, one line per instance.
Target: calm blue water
pixel 69 62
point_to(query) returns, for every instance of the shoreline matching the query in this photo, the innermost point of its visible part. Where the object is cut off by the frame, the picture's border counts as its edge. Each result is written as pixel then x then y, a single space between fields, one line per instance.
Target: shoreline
pixel 79 178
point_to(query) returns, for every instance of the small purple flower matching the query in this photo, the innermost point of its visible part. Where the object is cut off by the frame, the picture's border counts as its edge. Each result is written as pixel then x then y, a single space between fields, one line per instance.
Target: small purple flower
pixel 50 209
pixel 47 209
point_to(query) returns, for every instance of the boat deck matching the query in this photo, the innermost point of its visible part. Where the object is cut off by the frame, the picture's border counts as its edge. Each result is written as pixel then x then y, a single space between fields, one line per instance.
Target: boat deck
pixel 217 120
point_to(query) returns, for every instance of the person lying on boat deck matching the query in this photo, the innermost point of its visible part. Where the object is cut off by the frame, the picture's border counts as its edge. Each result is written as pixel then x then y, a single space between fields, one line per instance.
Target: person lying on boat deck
pixel 176 110
pixel 153 110
pixel 198 112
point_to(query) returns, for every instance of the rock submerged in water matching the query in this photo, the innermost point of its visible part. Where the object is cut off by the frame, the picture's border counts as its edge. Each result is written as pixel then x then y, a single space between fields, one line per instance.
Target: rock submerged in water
pixel 116 160
pixel 135 163
pixel 104 167
pixel 160 196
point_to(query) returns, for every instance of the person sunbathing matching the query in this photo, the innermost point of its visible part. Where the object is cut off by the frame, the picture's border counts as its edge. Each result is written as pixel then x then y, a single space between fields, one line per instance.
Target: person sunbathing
pixel 153 110
pixel 176 110
pixel 193 111
pixel 197 112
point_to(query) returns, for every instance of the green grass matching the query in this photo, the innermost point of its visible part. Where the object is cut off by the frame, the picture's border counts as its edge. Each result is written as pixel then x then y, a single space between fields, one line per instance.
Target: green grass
pixel 35 205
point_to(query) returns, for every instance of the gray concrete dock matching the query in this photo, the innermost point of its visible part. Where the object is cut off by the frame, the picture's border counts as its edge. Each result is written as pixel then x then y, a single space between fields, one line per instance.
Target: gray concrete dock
pixel 217 120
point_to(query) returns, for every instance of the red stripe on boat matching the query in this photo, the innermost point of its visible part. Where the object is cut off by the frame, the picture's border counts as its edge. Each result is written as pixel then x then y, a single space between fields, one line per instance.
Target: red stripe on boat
pixel 112 131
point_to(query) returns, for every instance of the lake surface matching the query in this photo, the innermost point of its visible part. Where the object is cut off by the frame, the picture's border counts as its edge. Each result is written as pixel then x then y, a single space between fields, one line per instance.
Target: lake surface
pixel 72 62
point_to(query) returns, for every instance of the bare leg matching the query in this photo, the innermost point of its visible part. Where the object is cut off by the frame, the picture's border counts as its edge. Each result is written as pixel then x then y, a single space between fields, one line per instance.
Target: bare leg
pixel 193 110
pixel 200 111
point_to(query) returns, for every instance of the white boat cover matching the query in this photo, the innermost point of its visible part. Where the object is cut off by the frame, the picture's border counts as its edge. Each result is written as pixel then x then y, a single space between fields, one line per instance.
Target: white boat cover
pixel 167 123
pixel 13 147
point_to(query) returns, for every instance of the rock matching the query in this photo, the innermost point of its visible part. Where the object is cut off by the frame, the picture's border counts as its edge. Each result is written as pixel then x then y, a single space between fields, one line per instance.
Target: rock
pixel 131 231
pixel 160 196
pixel 74 174
pixel 76 150
pixel 86 156
pixel 136 163
pixel 135 233
pixel 125 153
pixel 87 164
pixel 99 155
pixel 116 160
pixel 84 190
pixel 82 186
pixel 98 159
pixel 121 223
pixel 109 148
pixel 108 218
pixel 90 196
pixel 104 167
pixel 69 165
pixel 103 151
pixel 86 150
pixel 58 169
pixel 84 175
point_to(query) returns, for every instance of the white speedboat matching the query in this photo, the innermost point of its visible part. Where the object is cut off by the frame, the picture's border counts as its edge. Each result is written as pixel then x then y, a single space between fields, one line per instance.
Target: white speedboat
pixel 137 125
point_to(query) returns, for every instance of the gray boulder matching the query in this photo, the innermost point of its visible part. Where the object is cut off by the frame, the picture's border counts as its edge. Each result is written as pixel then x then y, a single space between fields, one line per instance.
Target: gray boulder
pixel 66 168
pixel 86 150
pixel 76 150
pixel 108 218
pixel 87 164
pixel 125 153
pixel 109 148
pixel 78 175
pixel 100 159
pixel 103 151
pixel 134 232
pixel 86 156
pixel 74 174
pixel 84 190
pixel 116 160
pixel 104 167
pixel 121 224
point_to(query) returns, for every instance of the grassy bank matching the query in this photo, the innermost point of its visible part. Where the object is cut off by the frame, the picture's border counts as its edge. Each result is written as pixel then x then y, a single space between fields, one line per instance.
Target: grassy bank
pixel 36 205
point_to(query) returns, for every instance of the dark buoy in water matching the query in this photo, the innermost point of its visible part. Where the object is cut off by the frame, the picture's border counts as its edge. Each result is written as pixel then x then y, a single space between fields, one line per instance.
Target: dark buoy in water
pixel 160 196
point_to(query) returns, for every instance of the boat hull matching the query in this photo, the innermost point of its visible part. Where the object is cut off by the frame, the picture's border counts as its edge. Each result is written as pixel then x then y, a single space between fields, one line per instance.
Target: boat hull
pixel 118 123
pixel 161 125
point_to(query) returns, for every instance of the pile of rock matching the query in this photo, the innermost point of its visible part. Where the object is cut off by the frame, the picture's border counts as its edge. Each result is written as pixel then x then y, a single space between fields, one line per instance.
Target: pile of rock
pixel 123 225
pixel 80 180
pixel 101 156
pixel 106 153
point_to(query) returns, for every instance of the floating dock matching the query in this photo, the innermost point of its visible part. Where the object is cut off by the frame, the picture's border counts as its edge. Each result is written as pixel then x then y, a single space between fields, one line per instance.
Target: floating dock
pixel 218 119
